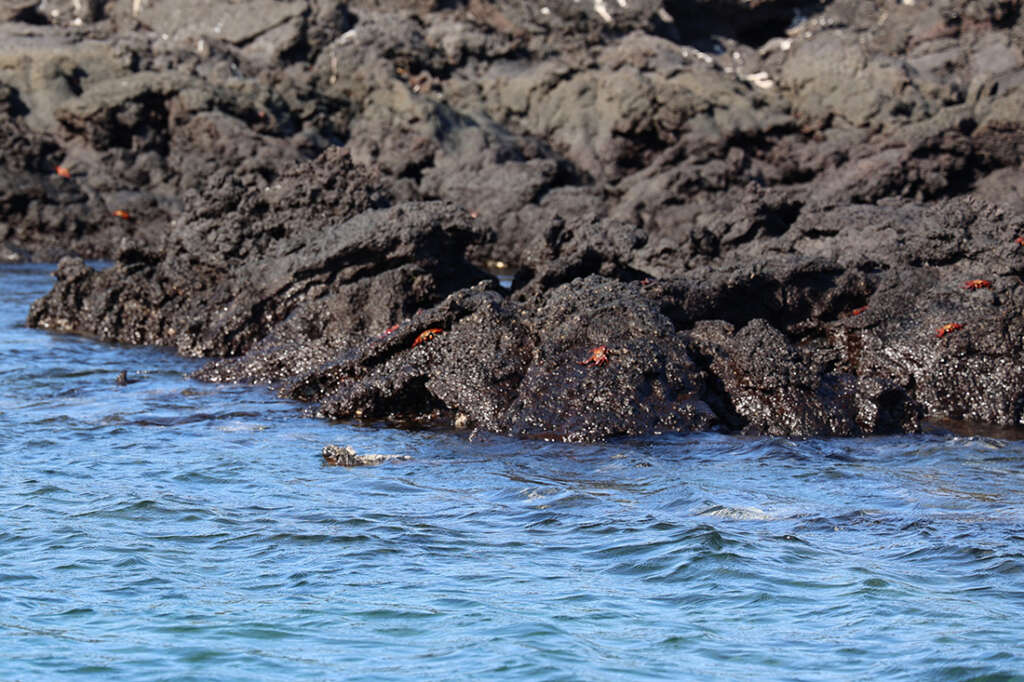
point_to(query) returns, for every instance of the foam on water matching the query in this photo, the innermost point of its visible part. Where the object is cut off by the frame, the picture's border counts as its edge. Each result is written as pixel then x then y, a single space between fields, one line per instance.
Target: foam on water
pixel 176 530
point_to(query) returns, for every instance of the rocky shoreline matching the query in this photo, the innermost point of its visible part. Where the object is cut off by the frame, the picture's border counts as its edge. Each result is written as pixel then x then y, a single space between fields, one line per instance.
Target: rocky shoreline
pixel 757 216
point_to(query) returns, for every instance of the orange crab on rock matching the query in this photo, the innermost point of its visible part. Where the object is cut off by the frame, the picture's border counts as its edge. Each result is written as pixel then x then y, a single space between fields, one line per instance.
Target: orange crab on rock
pixel 978 284
pixel 948 329
pixel 598 357
pixel 426 336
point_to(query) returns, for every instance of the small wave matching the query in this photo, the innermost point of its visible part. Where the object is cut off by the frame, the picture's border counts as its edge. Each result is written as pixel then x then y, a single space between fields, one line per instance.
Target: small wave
pixel 192 418
pixel 737 513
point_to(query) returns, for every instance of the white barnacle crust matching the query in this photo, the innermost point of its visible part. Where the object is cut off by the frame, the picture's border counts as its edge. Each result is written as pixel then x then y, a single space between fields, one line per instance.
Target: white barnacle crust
pixel 688 52
pixel 760 79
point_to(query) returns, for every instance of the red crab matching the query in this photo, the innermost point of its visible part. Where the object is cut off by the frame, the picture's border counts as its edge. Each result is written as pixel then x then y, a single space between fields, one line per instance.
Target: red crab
pixel 123 215
pixel 978 284
pixel 598 356
pixel 63 172
pixel 426 336
pixel 948 329
pixel 858 311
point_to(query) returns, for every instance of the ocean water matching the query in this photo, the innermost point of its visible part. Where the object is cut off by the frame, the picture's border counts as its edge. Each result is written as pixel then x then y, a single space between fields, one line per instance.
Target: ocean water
pixel 175 530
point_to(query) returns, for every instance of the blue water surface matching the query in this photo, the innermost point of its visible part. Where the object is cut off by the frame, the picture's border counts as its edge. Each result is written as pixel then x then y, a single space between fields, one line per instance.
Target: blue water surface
pixel 169 529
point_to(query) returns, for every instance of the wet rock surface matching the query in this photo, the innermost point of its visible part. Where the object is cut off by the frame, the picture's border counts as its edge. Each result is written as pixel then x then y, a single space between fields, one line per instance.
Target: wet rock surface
pixel 775 217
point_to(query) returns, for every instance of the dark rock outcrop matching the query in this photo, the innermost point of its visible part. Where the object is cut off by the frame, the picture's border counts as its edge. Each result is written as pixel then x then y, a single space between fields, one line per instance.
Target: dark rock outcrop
pixel 521 368
pixel 763 212
pixel 314 256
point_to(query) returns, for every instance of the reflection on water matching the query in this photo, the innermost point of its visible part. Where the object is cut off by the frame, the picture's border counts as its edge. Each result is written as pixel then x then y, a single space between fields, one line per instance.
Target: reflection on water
pixel 171 529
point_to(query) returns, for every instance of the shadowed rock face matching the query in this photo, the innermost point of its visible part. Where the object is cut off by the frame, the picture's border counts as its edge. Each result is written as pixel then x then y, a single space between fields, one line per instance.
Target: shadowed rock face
pixel 312 257
pixel 815 337
pixel 763 211
pixel 519 368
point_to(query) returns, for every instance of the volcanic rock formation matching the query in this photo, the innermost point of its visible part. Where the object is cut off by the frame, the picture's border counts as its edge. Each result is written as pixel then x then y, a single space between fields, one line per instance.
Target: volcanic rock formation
pixel 772 216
